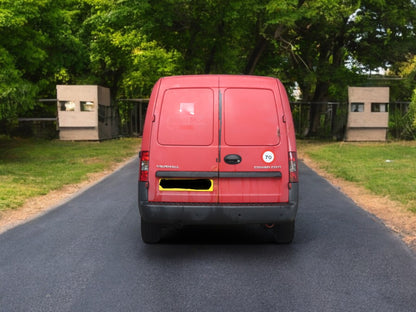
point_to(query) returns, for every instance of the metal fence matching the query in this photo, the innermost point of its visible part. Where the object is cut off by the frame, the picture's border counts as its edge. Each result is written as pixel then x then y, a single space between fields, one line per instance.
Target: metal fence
pixel 131 116
pixel 333 116
pixel 332 119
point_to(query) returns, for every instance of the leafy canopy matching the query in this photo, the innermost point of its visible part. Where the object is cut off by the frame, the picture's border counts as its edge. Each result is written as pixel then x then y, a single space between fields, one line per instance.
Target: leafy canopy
pixel 320 45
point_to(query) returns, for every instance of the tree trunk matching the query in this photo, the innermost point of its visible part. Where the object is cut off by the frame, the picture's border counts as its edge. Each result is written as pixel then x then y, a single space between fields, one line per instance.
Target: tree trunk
pixel 259 50
pixel 210 62
pixel 255 56
pixel 318 107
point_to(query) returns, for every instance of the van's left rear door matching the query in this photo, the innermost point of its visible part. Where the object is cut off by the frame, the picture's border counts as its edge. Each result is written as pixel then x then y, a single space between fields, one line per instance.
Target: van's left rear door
pixel 184 148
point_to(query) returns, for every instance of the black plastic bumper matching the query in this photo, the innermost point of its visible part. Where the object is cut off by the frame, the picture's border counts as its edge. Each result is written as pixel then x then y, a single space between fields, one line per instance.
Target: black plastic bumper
pixel 202 213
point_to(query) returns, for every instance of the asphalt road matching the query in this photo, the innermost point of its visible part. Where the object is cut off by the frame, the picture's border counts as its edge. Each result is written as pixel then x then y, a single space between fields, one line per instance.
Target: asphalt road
pixel 87 255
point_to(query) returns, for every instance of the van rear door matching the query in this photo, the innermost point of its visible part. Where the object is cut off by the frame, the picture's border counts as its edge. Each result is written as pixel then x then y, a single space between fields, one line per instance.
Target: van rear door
pixel 184 154
pixel 253 151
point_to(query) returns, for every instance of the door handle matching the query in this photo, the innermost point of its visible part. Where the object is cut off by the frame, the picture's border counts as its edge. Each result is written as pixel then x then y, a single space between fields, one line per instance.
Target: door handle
pixel 232 159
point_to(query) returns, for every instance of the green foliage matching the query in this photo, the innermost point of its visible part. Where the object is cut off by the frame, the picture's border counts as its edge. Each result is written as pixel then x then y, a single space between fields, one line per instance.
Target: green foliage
pixel 406 70
pixel 38 50
pixel 331 44
pixel 16 94
pixel 212 36
pixel 126 45
pixel 148 62
pixel 401 122
pixel 412 113
pixel 382 32
pixel 121 57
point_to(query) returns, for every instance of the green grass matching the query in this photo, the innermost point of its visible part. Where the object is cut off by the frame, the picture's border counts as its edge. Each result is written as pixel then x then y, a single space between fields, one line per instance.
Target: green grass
pixel 30 168
pixel 386 169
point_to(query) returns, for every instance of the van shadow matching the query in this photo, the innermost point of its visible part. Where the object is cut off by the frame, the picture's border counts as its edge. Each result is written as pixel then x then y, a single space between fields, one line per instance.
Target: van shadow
pixel 218 235
pixel 243 243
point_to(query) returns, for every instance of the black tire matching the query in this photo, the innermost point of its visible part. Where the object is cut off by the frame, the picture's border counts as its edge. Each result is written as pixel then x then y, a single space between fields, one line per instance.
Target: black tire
pixel 151 232
pixel 284 232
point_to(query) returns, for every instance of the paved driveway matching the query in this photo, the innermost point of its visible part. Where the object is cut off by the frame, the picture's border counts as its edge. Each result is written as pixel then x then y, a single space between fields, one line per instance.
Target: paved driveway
pixel 87 255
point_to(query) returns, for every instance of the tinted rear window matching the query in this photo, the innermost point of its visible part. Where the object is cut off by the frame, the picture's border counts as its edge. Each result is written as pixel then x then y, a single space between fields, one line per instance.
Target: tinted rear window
pixel 250 117
pixel 187 117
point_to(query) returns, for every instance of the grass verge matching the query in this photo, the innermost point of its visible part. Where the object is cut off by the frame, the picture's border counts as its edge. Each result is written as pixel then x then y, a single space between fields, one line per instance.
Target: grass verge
pixel 30 168
pixel 385 169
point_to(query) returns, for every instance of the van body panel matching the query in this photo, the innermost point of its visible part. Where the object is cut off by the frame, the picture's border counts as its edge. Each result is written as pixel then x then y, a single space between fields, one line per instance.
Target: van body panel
pixel 187 117
pixel 184 131
pixel 289 125
pixel 250 117
pixel 251 122
pixel 218 151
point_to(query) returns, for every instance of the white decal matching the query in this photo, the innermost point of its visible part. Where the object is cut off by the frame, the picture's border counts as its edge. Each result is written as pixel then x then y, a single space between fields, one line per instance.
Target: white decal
pixel 167 166
pixel 268 157
pixel 267 167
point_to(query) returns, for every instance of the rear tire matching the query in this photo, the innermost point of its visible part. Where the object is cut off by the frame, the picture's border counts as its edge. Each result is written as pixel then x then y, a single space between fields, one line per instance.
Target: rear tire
pixel 284 232
pixel 151 232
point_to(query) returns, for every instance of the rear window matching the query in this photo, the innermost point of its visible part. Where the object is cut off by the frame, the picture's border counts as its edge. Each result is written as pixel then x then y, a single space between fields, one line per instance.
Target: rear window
pixel 187 117
pixel 250 117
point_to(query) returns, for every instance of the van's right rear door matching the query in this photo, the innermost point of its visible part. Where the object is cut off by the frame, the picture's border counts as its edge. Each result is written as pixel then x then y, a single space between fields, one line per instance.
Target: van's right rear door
pixel 254 148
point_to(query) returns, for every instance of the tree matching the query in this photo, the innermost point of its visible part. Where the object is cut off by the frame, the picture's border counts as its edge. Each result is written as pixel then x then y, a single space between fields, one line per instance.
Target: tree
pixel 412 117
pixel 407 72
pixel 120 56
pixel 16 94
pixel 38 50
pixel 314 40
pixel 212 36
pixel 322 45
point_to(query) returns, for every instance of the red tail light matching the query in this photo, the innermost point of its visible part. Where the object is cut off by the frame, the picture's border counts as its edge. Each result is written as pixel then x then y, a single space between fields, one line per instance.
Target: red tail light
pixel 144 167
pixel 293 167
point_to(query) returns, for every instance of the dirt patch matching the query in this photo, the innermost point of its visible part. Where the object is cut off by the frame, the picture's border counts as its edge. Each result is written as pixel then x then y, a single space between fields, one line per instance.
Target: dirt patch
pixel 41 204
pixel 393 214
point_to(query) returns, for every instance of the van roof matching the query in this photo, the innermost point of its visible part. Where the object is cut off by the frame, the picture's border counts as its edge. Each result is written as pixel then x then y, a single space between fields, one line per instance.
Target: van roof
pixel 218 80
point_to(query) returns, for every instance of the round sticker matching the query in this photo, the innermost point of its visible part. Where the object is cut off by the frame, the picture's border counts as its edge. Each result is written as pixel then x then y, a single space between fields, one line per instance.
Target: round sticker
pixel 268 157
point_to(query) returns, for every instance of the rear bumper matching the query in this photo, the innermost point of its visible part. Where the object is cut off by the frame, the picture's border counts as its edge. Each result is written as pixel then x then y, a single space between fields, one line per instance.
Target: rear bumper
pixel 202 213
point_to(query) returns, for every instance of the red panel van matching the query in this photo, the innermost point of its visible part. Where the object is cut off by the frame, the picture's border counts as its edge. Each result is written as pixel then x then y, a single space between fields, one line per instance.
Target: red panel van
pixel 218 149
